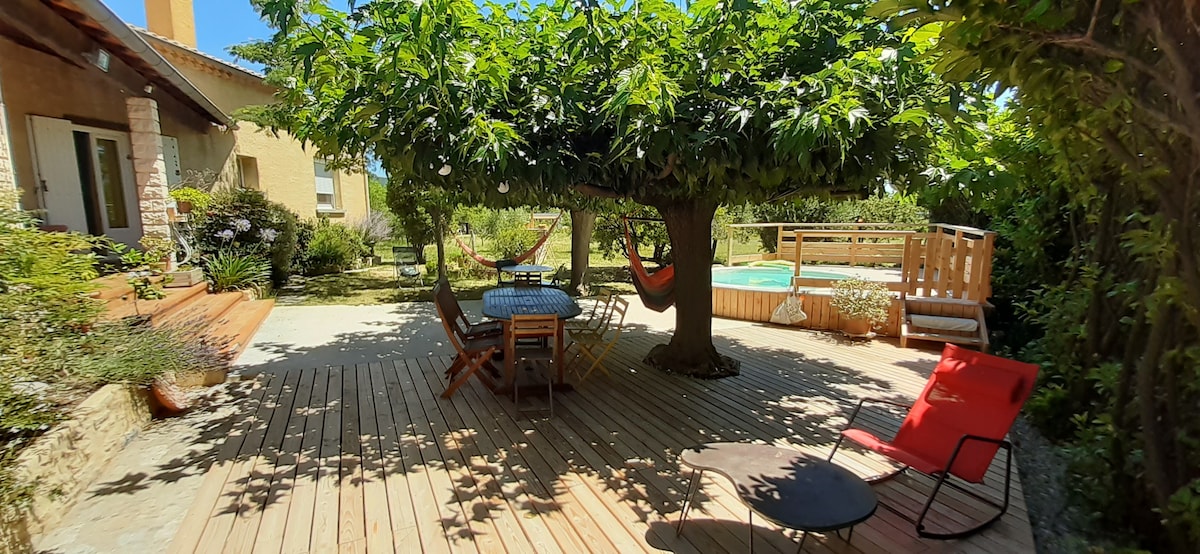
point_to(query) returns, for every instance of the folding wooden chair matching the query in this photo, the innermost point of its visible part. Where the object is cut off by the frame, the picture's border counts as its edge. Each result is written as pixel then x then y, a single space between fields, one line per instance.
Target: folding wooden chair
pixel 956 427
pixel 542 331
pixel 600 310
pixel 527 279
pixel 445 299
pixel 591 341
pixel 473 354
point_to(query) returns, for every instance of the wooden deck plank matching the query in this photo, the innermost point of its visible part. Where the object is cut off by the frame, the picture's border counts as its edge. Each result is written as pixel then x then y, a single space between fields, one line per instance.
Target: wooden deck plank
pixel 466 490
pixel 273 515
pixel 455 522
pixel 550 471
pixel 391 463
pixel 371 459
pixel 209 492
pixel 298 529
pixel 540 498
pixel 256 485
pixel 324 530
pixel 493 501
pixel 376 510
pixel 220 521
pixel 352 532
pixel 429 517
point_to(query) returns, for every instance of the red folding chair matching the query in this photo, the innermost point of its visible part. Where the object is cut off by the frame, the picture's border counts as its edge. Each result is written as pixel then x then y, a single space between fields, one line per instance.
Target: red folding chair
pixel 956 427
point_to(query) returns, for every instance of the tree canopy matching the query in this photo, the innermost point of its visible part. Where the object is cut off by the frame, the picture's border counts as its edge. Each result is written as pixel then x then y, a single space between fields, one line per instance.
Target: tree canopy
pixel 678 109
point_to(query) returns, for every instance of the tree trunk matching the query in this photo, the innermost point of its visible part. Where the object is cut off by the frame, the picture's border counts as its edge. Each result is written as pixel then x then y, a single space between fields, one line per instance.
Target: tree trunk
pixel 583 223
pixel 691 351
pixel 439 227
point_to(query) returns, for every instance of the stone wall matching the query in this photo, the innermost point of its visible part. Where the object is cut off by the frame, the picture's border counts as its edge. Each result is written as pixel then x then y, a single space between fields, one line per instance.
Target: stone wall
pixel 66 461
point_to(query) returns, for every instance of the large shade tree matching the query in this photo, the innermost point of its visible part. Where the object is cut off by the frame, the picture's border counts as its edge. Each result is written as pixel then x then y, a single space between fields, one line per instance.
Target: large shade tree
pixel 679 110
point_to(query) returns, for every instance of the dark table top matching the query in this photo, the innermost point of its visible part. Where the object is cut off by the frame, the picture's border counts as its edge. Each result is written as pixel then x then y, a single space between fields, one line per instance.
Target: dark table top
pixel 503 302
pixel 526 268
pixel 788 487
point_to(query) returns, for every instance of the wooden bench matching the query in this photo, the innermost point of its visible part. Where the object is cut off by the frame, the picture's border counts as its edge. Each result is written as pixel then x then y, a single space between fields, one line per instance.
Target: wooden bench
pixel 943 320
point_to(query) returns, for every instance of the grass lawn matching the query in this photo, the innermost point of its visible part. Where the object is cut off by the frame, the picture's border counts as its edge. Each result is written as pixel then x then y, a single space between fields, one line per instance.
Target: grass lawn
pixel 377 285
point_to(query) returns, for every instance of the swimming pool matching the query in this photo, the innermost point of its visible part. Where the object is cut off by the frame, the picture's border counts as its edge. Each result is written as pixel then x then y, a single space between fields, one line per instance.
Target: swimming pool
pixel 765 277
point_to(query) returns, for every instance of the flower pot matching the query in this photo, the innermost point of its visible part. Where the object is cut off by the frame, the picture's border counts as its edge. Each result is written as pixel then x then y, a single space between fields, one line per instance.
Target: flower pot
pixel 170 397
pixel 857 328
pixel 184 277
pixel 184 206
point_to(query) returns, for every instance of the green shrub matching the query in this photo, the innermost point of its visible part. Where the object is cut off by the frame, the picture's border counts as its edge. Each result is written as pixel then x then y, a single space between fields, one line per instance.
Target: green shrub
pixel 228 271
pixel 244 222
pixel 512 242
pixel 139 354
pixel 894 208
pixel 332 248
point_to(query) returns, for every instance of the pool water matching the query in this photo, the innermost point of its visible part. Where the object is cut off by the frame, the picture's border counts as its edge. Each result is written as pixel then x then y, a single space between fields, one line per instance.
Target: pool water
pixel 766 277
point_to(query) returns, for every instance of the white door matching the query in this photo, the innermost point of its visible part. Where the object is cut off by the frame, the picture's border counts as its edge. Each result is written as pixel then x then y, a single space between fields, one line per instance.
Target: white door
pixel 57 170
pixel 115 188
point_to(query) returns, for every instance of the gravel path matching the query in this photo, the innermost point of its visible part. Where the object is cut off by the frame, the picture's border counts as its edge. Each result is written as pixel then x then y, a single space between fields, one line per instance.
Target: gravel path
pixel 1059 526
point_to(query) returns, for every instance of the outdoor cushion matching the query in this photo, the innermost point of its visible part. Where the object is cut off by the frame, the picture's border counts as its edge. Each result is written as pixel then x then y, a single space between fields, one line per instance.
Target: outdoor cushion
pixel 943 323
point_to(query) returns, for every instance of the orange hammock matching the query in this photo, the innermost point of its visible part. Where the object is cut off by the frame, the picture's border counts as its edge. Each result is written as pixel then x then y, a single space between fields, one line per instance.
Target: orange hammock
pixel 528 254
pixel 656 290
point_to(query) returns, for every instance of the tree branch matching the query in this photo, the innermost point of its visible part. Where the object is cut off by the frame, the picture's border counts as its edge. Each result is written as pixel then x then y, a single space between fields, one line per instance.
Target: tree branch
pixel 597 191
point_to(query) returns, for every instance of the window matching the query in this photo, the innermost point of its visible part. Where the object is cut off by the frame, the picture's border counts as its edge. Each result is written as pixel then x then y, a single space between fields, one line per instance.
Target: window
pixel 326 182
pixel 247 172
pixel 108 164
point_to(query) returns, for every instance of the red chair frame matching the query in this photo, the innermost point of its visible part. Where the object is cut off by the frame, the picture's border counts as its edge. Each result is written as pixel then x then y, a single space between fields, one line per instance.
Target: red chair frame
pixel 956 427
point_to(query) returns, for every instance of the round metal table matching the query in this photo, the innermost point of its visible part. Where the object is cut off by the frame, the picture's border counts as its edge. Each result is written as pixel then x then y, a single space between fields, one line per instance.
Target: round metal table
pixel 787 487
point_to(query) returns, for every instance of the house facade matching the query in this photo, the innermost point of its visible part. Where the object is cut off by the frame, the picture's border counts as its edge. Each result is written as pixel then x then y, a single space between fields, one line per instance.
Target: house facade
pixel 99 120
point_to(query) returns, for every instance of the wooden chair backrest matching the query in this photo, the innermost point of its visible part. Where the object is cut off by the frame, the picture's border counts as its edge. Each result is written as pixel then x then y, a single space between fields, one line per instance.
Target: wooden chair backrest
pixel 617 308
pixel 452 332
pixel 529 326
pixel 527 279
pixel 448 305
pixel 603 298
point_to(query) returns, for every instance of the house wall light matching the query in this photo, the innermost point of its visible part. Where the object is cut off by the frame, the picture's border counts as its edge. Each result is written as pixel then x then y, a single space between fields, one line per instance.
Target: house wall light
pixel 100 58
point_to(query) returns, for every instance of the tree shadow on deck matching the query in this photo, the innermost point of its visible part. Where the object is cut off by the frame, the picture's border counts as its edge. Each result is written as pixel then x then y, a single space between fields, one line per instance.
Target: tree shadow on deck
pixel 465 461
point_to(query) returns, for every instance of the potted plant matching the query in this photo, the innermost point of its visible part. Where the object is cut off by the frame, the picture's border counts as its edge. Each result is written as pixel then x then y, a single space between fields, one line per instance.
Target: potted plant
pixel 863 305
pixel 190 198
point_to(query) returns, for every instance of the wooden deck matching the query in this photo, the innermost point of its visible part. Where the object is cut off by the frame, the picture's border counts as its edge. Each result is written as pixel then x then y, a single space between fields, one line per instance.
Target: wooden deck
pixel 369 459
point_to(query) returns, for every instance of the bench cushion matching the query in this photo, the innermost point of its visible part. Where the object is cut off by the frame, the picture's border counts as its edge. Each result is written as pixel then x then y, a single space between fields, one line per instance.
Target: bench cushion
pixel 942 323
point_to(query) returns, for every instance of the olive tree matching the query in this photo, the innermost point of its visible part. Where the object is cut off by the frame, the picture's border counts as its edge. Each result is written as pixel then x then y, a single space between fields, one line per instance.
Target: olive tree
pixel 681 110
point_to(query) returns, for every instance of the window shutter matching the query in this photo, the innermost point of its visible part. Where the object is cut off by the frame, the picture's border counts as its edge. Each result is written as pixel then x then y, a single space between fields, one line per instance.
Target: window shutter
pixel 324 178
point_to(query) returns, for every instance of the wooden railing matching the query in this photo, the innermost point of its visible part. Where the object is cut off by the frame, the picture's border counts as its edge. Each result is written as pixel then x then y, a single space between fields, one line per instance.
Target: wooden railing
pixel 938 261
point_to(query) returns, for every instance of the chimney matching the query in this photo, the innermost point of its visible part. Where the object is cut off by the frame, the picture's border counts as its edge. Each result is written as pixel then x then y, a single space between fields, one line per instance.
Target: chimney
pixel 173 19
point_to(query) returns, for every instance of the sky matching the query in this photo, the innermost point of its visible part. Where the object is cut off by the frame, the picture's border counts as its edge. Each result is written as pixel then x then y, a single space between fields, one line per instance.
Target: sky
pixel 219 23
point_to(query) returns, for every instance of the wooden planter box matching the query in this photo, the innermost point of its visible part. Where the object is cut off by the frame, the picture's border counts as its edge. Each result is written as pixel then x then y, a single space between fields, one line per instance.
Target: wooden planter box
pixel 185 278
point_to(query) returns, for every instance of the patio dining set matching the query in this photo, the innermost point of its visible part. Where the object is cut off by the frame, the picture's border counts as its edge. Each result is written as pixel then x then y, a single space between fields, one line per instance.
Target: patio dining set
pixel 534 328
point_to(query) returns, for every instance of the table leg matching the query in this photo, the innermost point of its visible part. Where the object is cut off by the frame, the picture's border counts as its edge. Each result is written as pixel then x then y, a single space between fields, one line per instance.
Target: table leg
pixel 751 541
pixel 558 352
pixel 687 500
pixel 510 359
pixel 803 538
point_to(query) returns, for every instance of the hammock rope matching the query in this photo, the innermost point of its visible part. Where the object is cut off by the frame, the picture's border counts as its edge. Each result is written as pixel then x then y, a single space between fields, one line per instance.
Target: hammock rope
pixel 656 290
pixel 528 254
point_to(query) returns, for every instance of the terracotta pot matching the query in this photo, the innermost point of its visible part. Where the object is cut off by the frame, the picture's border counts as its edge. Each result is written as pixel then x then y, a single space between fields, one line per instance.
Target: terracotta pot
pixel 169 395
pixel 857 327
pixel 185 207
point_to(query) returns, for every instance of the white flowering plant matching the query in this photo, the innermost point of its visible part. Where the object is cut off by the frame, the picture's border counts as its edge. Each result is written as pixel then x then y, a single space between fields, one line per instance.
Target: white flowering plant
pixel 858 298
